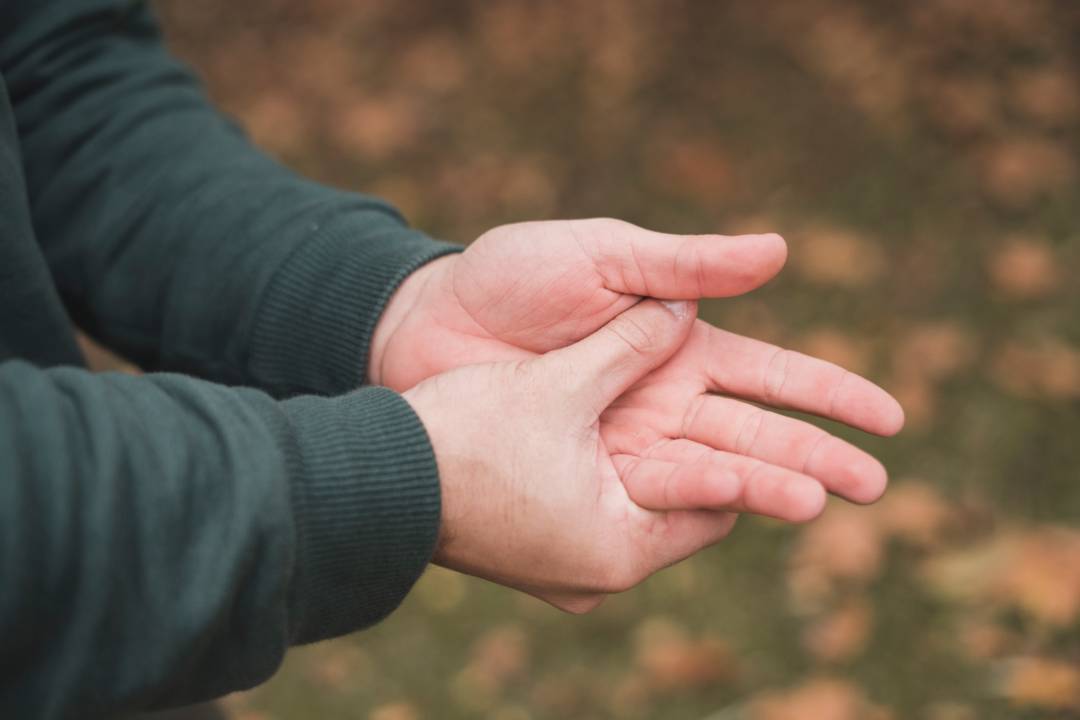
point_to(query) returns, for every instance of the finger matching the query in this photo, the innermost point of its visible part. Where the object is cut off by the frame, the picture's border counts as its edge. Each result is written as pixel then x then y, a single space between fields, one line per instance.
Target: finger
pixel 755 370
pixel 738 427
pixel 643 262
pixel 695 477
pixel 685 532
pixel 602 366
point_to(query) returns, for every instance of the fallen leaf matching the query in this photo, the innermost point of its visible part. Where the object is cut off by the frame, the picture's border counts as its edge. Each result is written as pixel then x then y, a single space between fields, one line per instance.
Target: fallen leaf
pixel 1046 95
pixel 843 547
pixel 377 128
pixel 509 712
pixel 1042 575
pixel 963 106
pixel 433 62
pixel 395 711
pixel 915 512
pixel 1018 171
pixel 918 396
pixel 671 659
pixel 697 168
pixel 836 256
pixel 1040 682
pixel 1036 571
pixel 983 639
pixel 501 654
pixel 935 350
pixel 560 694
pixel 335 664
pixel 842 633
pixel 821 699
pixel 276 122
pixel 1024 267
pixel 948 710
pixel 836 346
pixel 860 58
pixel 1045 368
pixel 631 694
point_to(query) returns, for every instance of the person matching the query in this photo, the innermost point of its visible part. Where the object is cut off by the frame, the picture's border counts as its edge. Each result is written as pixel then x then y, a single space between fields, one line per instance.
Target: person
pixel 334 399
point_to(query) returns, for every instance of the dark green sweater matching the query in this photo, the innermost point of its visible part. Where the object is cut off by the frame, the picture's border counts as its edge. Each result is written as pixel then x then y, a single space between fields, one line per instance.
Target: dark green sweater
pixel 165 538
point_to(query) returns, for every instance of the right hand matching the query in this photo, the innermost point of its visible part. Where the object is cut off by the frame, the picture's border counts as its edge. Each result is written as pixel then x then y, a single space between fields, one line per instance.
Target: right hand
pixel 547 489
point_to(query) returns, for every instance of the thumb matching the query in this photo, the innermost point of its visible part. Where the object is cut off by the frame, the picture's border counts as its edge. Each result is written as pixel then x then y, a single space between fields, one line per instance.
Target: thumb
pixel 637 261
pixel 605 364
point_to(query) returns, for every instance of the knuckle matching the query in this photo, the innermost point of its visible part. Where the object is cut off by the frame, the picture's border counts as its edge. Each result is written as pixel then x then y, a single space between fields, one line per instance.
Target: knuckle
pixel 749 431
pixel 776 374
pixel 811 453
pixel 634 335
pixel 750 490
pixel 692 416
pixel 834 391
pixel 672 491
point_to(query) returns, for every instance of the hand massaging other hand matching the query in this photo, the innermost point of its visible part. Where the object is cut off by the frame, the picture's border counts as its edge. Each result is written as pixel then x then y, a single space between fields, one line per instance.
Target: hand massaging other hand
pixel 579 472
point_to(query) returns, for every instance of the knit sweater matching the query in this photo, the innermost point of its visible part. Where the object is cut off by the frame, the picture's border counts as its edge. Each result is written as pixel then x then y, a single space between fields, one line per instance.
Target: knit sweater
pixel 165 538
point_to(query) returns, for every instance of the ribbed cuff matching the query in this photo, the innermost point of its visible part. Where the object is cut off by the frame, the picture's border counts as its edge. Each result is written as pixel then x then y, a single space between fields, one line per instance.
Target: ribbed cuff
pixel 315 325
pixel 365 494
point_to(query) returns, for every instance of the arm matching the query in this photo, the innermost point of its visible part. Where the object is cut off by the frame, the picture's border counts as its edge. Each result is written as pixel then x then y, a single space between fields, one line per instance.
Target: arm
pixel 172 238
pixel 165 539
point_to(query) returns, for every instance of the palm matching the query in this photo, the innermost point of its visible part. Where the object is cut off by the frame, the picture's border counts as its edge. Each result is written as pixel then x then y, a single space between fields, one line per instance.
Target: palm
pixel 550 290
pixel 686 436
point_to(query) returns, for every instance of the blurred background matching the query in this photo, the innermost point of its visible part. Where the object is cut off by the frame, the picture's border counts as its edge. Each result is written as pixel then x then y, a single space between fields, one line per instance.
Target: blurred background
pixel 922 161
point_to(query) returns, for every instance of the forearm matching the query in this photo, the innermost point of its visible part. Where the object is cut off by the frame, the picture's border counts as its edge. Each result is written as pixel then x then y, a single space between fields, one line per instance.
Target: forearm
pixel 170 236
pixel 166 539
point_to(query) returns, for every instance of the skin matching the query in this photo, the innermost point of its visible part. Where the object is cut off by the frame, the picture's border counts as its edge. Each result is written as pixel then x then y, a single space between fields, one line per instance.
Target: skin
pixel 579 420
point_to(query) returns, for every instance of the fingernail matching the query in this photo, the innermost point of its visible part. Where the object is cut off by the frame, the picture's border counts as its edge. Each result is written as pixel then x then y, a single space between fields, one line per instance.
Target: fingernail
pixel 678 308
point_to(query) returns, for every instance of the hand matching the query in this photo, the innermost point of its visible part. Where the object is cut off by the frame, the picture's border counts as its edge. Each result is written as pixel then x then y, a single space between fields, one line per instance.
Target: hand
pixel 582 471
pixel 684 435
pixel 532 287
pixel 532 496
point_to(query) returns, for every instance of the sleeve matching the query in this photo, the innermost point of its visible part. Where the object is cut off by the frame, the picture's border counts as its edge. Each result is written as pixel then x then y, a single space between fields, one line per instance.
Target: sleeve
pixel 171 238
pixel 164 539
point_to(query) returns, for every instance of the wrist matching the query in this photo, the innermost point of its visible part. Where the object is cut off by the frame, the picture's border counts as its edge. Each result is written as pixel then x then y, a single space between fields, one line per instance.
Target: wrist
pixel 404 300
pixel 427 409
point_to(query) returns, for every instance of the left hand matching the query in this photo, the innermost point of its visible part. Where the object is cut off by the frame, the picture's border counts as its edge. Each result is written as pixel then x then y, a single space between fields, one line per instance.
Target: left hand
pixel 532 287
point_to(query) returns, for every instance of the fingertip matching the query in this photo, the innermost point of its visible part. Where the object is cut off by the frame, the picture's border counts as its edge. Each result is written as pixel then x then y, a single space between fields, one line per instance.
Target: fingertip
pixel 888 415
pixel 740 263
pixel 894 418
pixel 863 404
pixel 805 501
pixel 866 481
pixel 778 247
pixel 772 252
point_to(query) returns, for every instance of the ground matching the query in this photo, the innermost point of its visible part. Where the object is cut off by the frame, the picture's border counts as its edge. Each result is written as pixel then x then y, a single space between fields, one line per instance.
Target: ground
pixel 920 159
